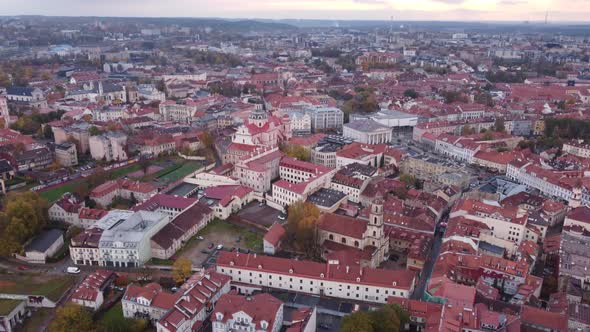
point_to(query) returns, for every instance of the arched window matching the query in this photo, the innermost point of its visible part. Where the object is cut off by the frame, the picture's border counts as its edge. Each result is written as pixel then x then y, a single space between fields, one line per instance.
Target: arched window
pixel 356 243
pixel 331 237
pixel 343 240
pixel 374 233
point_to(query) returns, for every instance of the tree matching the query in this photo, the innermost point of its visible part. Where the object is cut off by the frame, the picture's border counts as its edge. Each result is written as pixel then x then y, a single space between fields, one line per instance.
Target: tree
pixel 411 93
pixel 72 317
pixel 302 228
pixel 48 132
pixel 453 96
pixel 94 131
pixel 24 216
pixel 296 151
pixel 499 125
pixel 467 130
pixel 207 140
pixel 389 318
pixel 181 270
pixel 359 321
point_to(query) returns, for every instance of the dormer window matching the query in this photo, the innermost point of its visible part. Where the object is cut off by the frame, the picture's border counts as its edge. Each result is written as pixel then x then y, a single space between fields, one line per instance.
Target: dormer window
pixel 358 279
pixel 219 316
pixel 290 270
pixel 260 267
pixel 321 275
pixel 231 263
pixel 264 325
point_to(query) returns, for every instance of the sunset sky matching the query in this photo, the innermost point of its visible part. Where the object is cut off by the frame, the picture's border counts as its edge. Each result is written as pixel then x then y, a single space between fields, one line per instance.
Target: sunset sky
pixel 441 10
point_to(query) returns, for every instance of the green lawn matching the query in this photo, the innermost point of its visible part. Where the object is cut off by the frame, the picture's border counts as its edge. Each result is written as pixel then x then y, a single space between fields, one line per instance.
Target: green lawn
pixel 52 288
pixel 113 321
pixel 6 306
pixel 179 173
pixel 54 194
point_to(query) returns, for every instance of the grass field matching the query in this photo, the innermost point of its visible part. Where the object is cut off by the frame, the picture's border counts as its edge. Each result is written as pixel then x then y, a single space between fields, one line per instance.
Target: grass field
pixel 54 194
pixel 52 288
pixel 178 173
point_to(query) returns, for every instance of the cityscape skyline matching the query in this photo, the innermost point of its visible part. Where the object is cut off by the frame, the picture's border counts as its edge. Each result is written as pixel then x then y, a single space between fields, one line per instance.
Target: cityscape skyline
pixel 426 10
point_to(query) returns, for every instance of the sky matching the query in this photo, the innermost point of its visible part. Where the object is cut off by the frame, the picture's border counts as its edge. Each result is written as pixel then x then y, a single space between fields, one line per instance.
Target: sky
pixel 437 10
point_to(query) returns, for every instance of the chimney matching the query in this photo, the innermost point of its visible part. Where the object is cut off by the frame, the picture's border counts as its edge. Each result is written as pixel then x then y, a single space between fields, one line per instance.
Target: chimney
pixel 347 269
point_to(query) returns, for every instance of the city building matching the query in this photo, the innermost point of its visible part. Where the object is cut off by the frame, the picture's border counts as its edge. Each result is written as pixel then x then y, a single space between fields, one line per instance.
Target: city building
pixel 251 272
pixel 367 132
pixel 260 312
pixel 66 155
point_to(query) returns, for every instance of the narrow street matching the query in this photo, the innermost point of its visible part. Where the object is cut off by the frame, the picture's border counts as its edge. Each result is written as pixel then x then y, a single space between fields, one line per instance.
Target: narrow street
pixel 429 265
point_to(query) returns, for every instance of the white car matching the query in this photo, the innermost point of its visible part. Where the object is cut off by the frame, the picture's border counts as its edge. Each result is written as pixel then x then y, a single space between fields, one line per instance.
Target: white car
pixel 200 238
pixel 73 270
pixel 219 246
pixel 281 217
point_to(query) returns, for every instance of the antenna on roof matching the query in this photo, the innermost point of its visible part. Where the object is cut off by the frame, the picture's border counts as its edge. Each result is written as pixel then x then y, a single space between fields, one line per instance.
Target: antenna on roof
pixel 547 16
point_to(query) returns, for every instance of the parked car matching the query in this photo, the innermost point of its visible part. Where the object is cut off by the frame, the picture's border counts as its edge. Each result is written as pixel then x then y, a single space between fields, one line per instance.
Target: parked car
pixel 73 270
pixel 22 267
pixel 204 251
pixel 200 238
pixel 219 246
pixel 211 245
pixel 282 217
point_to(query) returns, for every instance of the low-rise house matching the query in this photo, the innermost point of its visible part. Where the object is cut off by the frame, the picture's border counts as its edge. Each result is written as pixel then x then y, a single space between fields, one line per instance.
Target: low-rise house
pixel 185 310
pixel 124 188
pixel 226 199
pixel 260 312
pixel 272 239
pixel 90 293
pixel 66 209
pixel 182 227
pixel 44 246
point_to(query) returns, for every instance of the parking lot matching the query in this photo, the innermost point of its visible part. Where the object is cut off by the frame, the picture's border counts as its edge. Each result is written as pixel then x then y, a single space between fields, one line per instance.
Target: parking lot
pixel 203 252
pixel 261 215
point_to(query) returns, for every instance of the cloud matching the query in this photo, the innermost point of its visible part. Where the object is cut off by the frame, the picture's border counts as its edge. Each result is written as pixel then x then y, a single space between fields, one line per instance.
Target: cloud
pixel 371 2
pixel 512 2
pixel 451 2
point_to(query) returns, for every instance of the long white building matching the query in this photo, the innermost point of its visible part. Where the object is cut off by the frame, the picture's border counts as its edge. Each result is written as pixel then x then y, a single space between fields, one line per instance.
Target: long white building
pixel 250 272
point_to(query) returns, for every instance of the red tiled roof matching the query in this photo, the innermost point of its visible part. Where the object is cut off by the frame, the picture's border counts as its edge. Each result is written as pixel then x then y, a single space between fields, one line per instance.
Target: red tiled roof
pixel 260 307
pixel 403 279
pixel 274 234
pixel 343 225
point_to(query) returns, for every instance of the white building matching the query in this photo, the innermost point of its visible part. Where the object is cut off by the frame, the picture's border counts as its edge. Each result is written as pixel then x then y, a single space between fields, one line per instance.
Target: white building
pixel 109 146
pixel 258 313
pixel 367 132
pixel 127 242
pixel 250 272
pixel 66 154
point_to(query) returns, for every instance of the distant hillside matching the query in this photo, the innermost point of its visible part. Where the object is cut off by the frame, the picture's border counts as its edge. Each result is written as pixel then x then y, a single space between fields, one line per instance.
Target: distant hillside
pixel 215 23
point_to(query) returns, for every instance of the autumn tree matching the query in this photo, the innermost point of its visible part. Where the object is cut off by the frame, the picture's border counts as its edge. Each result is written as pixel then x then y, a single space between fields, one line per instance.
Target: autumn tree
pixel 389 318
pixel 296 151
pixel 24 216
pixel 181 270
pixel 359 321
pixel 301 227
pixel 467 130
pixel 207 140
pixel 72 317
pixel 499 125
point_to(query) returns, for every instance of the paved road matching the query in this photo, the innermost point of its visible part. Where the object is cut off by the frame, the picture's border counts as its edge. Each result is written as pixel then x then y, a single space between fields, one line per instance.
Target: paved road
pixel 428 266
